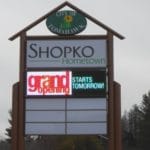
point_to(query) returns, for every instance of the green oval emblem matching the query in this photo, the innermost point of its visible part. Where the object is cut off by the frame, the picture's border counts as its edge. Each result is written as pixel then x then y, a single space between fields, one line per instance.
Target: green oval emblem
pixel 66 22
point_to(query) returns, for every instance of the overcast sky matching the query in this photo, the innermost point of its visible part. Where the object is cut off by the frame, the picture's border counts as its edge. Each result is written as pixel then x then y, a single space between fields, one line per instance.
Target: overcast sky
pixel 131 18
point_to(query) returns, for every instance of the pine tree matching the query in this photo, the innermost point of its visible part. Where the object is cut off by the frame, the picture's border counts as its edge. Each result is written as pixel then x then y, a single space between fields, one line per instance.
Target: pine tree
pixel 125 127
pixel 9 129
pixel 134 125
pixel 131 126
pixel 145 122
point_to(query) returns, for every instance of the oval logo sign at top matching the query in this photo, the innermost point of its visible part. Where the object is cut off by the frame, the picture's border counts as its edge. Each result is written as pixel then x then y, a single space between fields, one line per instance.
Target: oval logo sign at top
pixel 66 22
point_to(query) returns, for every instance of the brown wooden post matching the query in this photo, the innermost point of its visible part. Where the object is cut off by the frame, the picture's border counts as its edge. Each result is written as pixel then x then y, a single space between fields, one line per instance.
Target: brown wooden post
pixel 110 91
pixel 15 100
pixel 117 116
pixel 21 143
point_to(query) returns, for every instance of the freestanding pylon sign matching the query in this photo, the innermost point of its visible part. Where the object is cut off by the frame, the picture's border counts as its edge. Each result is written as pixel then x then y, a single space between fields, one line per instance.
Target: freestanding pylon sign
pixel 66 84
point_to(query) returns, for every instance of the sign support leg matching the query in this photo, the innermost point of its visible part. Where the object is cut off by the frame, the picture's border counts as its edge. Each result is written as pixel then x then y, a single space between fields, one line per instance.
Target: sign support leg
pixel 111 91
pixel 21 144
pixel 117 116
pixel 15 108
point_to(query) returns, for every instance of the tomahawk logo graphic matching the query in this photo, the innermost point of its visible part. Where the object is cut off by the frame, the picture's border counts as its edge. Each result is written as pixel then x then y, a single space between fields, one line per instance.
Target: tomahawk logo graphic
pixel 49 83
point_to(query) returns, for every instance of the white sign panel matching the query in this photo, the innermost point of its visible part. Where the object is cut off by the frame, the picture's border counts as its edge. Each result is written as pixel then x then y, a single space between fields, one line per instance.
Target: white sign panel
pixel 66 53
pixel 87 128
pixel 69 116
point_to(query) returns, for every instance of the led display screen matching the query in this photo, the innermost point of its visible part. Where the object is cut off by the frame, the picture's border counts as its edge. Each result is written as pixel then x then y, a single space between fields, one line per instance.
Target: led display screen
pixel 67 83
pixel 49 83
pixel 89 83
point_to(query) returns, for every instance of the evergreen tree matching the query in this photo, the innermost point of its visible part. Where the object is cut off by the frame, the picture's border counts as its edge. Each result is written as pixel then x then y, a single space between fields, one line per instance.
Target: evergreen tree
pixel 9 129
pixel 134 125
pixel 131 126
pixel 125 127
pixel 145 122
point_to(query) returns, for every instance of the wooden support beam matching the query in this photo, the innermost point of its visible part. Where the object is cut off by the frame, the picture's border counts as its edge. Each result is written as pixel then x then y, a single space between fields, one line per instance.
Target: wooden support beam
pixel 117 116
pixel 21 143
pixel 15 109
pixel 111 91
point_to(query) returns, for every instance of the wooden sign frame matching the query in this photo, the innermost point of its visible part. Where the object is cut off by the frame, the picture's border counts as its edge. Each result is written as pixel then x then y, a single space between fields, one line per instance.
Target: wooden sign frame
pixel 18 142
